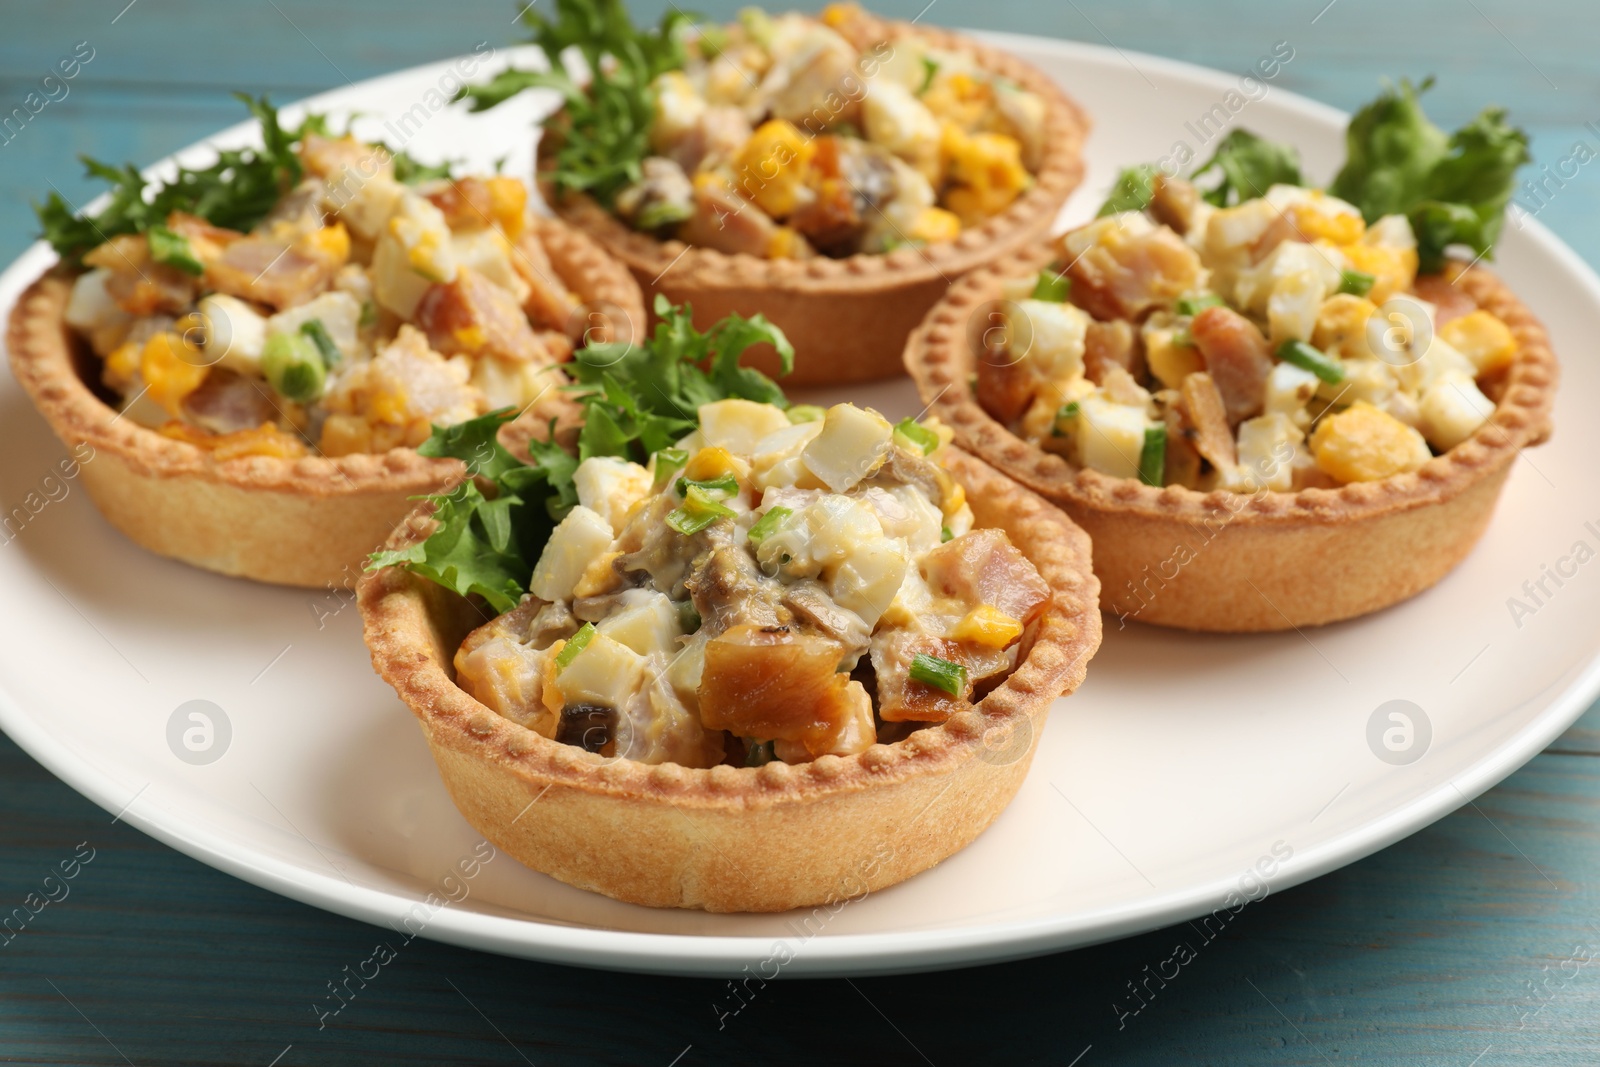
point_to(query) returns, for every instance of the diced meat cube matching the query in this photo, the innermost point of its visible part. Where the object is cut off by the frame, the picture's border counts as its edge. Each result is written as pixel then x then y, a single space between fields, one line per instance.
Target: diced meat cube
pixel 473 316
pixel 984 567
pixel 1237 356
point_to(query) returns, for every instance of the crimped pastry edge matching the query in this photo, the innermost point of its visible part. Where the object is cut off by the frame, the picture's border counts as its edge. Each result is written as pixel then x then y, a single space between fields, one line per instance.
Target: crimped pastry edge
pixel 940 360
pixel 42 359
pixel 412 626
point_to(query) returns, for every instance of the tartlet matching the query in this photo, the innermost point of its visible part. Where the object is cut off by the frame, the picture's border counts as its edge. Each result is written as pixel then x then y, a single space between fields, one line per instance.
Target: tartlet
pixel 305 521
pixel 848 316
pixel 1272 405
pixel 1232 561
pixel 747 838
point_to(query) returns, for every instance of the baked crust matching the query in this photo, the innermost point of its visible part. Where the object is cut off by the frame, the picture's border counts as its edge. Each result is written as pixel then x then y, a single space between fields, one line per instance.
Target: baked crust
pixel 849 317
pixel 732 838
pixel 309 521
pixel 1235 562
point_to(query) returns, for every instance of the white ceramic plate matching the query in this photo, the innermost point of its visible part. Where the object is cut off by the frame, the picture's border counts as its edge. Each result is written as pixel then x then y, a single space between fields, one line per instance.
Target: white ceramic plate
pixel 1183 763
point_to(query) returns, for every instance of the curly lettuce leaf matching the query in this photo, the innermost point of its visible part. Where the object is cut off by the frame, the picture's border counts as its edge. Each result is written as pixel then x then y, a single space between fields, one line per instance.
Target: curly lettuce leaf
pixel 637 400
pixel 603 129
pixel 1249 166
pixel 234 192
pixel 1453 188
pixel 1132 191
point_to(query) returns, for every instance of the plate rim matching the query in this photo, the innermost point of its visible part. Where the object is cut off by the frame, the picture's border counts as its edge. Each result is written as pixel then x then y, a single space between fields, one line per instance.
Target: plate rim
pixel 837 954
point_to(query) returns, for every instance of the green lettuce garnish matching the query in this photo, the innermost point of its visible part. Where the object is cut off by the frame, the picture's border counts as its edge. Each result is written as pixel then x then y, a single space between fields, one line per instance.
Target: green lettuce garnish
pixel 1249 165
pixel 235 192
pixel 637 399
pixel 1453 188
pixel 604 124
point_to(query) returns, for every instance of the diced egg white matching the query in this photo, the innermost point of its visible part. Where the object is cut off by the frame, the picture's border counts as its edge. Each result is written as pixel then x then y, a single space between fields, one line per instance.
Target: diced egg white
pixel 1110 436
pixel 1266 451
pixel 678 108
pixel 1049 336
pixel 606 673
pixel 851 445
pixel 1364 379
pixel 575 542
pixel 610 486
pixel 1289 389
pixel 234 331
pixel 647 622
pixel 898 121
pixel 1451 410
pixel 487 252
pixel 339 312
pixel 363 202
pixel 737 425
pixel 90 306
pixel 867 580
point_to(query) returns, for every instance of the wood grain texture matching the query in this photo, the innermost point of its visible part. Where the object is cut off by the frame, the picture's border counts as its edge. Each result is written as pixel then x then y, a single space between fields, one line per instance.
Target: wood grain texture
pixel 1466 943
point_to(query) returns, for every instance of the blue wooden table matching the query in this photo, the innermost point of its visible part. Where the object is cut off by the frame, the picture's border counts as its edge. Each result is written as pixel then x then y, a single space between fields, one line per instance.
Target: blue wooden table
pixel 1469 943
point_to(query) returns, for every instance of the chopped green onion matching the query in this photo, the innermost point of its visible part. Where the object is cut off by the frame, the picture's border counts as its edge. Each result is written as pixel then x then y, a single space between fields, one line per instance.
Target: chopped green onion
pixel 713 39
pixel 698 512
pixel 759 754
pixel 1194 303
pixel 174 250
pixel 1356 282
pixel 768 524
pixel 293 366
pixel 669 461
pixel 659 213
pixel 726 484
pixel 1312 359
pixel 369 315
pixel 805 413
pixel 945 535
pixel 1052 286
pixel 1065 413
pixel 1183 337
pixel 917 436
pixel 939 673
pixel 688 618
pixel 1153 456
pixel 313 328
pixel 930 70
pixel 575 644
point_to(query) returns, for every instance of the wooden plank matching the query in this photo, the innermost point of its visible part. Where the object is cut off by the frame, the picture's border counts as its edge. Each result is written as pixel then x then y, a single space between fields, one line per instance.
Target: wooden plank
pixel 1433 950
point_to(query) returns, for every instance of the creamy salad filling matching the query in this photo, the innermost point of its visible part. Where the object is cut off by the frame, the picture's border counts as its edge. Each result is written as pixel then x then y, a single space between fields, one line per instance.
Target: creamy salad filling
pixel 793 136
pixel 360 311
pixel 779 585
pixel 1280 343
